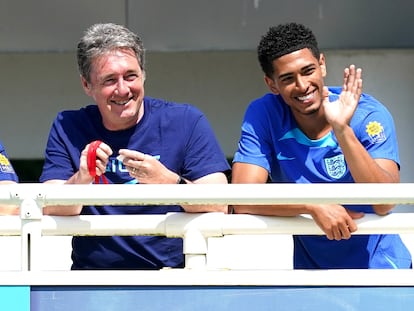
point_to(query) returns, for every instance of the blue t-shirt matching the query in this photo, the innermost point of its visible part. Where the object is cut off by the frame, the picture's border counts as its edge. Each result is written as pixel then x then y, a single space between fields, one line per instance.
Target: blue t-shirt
pixel 6 169
pixel 178 135
pixel 271 139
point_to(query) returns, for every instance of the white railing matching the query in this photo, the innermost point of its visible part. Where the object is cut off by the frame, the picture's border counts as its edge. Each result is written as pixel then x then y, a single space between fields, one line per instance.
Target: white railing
pixel 195 229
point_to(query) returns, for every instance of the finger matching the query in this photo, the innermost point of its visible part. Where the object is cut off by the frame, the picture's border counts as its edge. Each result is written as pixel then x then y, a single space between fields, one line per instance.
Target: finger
pixel 359 73
pixel 346 234
pixel 101 161
pixel 358 82
pixel 100 167
pixel 325 92
pixel 105 148
pixel 132 154
pixel 329 236
pixel 345 81
pixel 337 234
pixel 124 159
pixel 132 171
pixel 351 79
pixel 355 81
pixel 352 226
pixel 133 166
pixel 120 158
pixel 325 96
pixel 102 154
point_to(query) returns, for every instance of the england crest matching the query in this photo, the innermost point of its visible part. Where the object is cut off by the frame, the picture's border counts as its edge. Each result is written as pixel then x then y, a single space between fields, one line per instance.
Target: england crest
pixel 336 166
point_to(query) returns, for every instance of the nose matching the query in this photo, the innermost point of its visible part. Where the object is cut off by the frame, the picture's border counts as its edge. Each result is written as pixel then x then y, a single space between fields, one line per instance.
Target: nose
pixel 301 83
pixel 121 88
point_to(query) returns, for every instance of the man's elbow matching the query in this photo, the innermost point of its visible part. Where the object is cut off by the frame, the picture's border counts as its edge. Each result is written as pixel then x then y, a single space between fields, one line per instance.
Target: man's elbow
pixel 383 209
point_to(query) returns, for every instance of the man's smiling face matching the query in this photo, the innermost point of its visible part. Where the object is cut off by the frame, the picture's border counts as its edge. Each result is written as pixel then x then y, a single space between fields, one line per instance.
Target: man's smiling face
pixel 117 87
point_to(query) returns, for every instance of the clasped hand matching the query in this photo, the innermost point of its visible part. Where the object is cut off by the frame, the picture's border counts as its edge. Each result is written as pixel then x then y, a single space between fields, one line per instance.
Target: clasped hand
pixel 336 221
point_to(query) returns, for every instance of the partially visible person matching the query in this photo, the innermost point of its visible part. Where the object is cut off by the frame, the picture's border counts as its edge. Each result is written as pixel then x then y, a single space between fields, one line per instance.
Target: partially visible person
pixel 7 176
pixel 128 138
pixel 305 132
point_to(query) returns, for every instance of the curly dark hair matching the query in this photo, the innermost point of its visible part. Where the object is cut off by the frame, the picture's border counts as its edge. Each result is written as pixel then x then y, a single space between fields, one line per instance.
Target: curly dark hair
pixel 284 39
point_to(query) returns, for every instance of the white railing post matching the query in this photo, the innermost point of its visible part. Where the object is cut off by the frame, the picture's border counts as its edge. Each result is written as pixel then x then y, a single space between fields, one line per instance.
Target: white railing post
pixel 31 232
pixel 195 249
pixel 195 229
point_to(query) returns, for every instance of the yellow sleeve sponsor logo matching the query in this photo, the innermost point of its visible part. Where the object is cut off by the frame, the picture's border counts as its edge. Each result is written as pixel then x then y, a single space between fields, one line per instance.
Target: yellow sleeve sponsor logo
pixel 5 165
pixel 375 131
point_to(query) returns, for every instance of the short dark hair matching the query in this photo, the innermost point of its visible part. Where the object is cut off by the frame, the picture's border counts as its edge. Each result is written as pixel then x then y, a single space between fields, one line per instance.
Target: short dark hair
pixel 284 39
pixel 100 39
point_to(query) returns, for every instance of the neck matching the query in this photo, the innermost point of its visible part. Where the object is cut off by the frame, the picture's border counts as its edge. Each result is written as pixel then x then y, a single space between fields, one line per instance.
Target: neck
pixel 313 126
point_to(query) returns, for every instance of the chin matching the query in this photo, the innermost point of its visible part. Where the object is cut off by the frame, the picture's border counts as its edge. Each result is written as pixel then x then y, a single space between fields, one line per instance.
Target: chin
pixel 312 110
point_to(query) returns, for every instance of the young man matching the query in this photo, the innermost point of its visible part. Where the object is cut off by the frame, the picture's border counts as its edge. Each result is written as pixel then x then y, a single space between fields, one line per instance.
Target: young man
pixel 304 132
pixel 128 139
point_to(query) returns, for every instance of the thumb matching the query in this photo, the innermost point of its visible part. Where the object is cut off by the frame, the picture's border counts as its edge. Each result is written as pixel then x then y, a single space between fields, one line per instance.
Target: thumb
pixel 325 95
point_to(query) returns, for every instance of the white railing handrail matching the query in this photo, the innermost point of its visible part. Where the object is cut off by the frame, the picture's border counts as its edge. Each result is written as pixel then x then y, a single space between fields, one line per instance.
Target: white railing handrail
pixel 208 224
pixel 52 194
pixel 195 229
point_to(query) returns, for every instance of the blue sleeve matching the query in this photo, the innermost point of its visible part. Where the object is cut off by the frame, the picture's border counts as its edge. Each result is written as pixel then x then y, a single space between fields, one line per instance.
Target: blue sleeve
pixel 375 129
pixel 6 169
pixel 203 154
pixel 255 146
pixel 58 163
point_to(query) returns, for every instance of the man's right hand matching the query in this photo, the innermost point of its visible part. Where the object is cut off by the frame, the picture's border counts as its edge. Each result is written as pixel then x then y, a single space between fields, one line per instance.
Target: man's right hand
pixel 336 221
pixel 103 151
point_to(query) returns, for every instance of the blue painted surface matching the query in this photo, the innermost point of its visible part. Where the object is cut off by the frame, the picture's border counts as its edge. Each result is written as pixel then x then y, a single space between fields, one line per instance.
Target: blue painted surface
pixel 217 298
pixel 15 298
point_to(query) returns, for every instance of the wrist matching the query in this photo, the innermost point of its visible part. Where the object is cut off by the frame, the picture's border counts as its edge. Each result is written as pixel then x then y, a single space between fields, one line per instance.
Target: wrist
pixel 79 178
pixel 342 131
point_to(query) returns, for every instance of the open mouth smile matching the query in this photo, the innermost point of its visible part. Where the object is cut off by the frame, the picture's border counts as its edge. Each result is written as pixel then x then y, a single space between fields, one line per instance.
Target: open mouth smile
pixel 306 97
pixel 121 103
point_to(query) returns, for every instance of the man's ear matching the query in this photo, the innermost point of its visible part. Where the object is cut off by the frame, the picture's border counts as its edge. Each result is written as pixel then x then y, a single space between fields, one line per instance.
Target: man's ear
pixel 271 84
pixel 322 64
pixel 86 86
